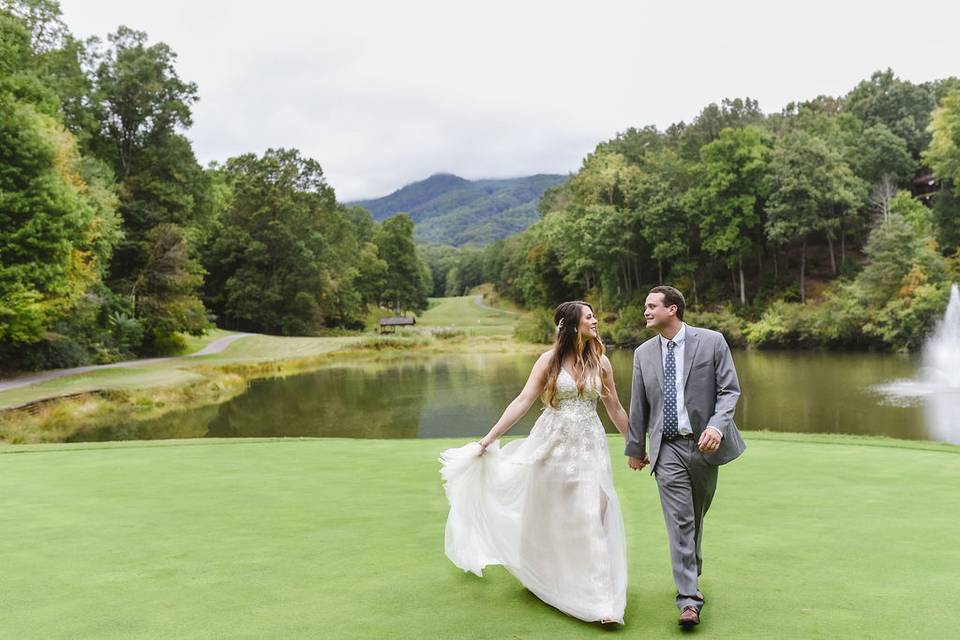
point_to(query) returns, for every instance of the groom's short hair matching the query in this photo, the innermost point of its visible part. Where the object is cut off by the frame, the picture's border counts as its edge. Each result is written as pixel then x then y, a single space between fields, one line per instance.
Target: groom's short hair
pixel 671 296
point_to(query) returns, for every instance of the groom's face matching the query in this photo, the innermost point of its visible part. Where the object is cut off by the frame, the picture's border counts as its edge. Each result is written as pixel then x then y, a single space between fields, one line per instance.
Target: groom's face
pixel 657 315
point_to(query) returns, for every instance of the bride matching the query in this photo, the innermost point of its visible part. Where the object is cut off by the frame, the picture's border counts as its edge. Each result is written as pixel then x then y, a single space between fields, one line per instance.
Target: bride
pixel 544 506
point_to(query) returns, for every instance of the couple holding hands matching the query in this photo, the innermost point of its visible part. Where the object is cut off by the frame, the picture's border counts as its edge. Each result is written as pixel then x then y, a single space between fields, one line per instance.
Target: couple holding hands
pixel 545 506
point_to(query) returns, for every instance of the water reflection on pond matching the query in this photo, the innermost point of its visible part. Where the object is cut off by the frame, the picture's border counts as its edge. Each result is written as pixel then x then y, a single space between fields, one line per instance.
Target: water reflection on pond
pixel 462 396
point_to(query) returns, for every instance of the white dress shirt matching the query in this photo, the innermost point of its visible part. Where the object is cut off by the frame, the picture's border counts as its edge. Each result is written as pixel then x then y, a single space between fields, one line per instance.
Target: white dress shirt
pixel 683 420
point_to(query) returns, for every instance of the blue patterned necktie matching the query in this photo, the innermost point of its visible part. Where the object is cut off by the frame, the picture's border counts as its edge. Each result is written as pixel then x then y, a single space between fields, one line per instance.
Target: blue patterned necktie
pixel 671 423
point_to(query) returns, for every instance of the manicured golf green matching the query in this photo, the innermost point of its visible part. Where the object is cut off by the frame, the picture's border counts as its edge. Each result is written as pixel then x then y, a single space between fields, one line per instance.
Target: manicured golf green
pixel 809 537
pixel 464 314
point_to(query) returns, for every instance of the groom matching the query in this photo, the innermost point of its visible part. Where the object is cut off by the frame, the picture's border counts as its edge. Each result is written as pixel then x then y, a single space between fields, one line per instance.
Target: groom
pixel 685 390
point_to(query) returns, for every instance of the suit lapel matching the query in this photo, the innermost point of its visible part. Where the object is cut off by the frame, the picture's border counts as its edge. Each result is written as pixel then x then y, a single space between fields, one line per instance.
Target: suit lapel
pixel 689 351
pixel 657 357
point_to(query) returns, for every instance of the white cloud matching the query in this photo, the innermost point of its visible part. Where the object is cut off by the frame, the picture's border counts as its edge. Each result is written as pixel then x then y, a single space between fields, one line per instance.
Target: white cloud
pixel 385 93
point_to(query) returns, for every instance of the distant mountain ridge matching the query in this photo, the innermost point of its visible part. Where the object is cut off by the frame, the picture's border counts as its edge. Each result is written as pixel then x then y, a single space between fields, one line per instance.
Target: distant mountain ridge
pixel 448 209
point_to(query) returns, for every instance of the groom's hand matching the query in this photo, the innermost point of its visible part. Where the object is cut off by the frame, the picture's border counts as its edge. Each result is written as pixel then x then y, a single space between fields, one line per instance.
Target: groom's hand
pixel 638 463
pixel 709 440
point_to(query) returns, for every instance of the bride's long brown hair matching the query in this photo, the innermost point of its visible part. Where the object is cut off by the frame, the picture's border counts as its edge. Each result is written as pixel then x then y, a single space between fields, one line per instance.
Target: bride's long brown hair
pixel 587 351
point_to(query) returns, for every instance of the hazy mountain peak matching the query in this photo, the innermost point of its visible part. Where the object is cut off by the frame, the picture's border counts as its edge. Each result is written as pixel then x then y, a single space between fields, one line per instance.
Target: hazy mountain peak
pixel 448 209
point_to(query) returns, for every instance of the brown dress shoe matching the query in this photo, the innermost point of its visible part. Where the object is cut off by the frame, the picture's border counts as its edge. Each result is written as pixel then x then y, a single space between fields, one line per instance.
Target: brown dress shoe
pixel 689 617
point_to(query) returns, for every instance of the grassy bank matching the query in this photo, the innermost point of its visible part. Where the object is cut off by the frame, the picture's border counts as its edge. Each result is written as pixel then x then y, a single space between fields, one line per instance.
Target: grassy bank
pixel 50 411
pixel 818 537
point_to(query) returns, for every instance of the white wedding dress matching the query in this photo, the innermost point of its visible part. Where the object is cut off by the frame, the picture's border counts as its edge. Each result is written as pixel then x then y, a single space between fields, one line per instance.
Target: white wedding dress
pixel 545 508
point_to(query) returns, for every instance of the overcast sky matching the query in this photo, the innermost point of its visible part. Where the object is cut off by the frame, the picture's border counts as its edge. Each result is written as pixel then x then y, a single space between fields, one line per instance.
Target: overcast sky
pixel 386 93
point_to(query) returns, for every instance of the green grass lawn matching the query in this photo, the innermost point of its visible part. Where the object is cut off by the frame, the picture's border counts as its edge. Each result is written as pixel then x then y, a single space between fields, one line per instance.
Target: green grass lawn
pixel 123 378
pixel 463 313
pixel 179 371
pixel 195 343
pixel 809 537
pixel 261 348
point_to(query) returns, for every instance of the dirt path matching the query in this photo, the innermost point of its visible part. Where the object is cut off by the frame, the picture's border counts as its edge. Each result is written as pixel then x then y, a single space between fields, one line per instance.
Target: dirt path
pixel 479 302
pixel 216 346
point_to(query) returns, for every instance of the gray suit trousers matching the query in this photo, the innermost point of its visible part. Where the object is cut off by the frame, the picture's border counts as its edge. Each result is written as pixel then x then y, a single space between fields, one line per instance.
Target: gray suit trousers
pixel 687 483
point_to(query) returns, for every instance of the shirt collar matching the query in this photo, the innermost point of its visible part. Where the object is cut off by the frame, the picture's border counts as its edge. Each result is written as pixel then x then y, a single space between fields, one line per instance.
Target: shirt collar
pixel 677 339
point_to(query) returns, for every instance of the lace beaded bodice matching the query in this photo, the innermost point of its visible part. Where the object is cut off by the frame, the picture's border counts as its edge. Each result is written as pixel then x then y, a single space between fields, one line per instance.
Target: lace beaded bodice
pixel 572 431
pixel 570 402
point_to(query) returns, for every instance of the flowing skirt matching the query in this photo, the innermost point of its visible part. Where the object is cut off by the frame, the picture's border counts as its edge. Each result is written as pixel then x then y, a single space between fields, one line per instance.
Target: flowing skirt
pixel 545 508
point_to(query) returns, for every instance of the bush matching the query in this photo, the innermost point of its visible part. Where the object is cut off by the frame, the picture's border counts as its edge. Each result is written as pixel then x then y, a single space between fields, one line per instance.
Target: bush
pixel 448 334
pixel 394 342
pixel 723 320
pixel 904 322
pixel 783 324
pixel 839 320
pixel 629 329
pixel 536 327
pixel 167 344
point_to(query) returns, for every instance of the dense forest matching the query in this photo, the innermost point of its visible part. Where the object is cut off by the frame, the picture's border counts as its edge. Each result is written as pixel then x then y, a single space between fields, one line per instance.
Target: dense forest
pixel 115 242
pixel 833 222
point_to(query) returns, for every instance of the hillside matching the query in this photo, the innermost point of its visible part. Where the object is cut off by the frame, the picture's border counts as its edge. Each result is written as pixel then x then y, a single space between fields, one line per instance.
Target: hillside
pixel 448 209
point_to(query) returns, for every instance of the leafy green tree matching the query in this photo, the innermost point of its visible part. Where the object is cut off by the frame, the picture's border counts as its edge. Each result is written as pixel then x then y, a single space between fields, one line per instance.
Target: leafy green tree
pixel 58 60
pixel 900 105
pixel 729 195
pixel 164 292
pixel 140 105
pixel 42 20
pixel 284 259
pixel 896 245
pixel 405 288
pixel 634 144
pixel 660 209
pixel 946 215
pixel 810 188
pixel 943 155
pixel 706 127
pixel 878 153
pixel 372 272
pixel 141 98
pixel 56 230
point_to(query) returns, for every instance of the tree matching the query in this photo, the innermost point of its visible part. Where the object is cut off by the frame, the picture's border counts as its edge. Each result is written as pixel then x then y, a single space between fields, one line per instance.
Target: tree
pixel 140 105
pixel 896 245
pixel 284 259
pixel 405 285
pixel 659 207
pixel 634 144
pixel 900 105
pixel 730 193
pixel 706 127
pixel 56 230
pixel 810 188
pixel 943 155
pixel 878 153
pixel 140 96
pixel 591 231
pixel 164 292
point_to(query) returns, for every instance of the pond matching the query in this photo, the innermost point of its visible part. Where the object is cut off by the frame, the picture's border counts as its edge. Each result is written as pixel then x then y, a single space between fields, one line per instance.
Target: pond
pixel 462 396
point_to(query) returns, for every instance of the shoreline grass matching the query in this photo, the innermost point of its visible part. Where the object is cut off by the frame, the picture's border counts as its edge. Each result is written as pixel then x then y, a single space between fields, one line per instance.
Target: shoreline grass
pixel 53 410
pixel 210 381
pixel 809 537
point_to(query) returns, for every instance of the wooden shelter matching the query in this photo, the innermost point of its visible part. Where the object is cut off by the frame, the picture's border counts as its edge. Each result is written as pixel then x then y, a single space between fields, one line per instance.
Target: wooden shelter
pixel 389 325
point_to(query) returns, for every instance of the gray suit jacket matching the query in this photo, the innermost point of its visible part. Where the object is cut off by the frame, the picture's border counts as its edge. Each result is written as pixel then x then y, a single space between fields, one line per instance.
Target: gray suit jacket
pixel 710 394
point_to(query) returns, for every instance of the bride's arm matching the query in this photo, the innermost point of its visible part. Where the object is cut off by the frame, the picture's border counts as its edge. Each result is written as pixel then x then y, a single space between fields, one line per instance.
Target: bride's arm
pixel 522 403
pixel 611 401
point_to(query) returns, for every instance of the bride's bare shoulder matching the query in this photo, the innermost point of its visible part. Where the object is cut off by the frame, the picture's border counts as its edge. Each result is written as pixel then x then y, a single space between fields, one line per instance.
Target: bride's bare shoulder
pixel 544 358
